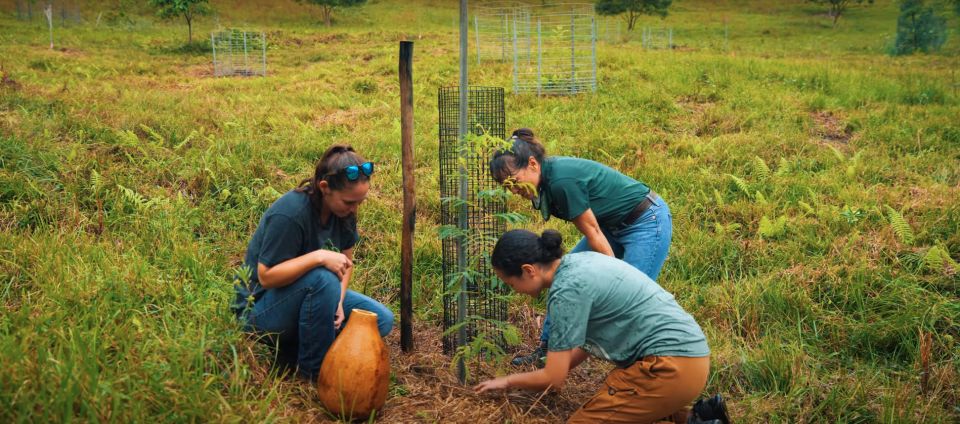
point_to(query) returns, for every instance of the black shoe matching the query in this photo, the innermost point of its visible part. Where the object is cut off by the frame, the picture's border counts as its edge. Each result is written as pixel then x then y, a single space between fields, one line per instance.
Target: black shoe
pixel 538 357
pixel 710 410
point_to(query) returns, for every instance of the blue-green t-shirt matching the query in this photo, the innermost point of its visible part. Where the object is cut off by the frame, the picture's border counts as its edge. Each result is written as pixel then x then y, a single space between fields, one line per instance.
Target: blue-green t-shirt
pixel 290 228
pixel 615 312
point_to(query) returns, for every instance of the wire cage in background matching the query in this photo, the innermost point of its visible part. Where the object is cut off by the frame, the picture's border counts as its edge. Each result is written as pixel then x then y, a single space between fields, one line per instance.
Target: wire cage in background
pixel 493 25
pixel 239 53
pixel 64 11
pixel 657 38
pixel 563 57
pixel 481 300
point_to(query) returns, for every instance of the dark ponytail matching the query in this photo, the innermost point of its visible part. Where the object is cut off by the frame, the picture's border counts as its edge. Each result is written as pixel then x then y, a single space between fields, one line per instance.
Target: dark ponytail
pixel 334 160
pixel 505 162
pixel 519 247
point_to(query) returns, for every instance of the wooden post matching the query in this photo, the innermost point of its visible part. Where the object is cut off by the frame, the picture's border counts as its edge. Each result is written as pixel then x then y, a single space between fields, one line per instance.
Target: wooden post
pixel 409 196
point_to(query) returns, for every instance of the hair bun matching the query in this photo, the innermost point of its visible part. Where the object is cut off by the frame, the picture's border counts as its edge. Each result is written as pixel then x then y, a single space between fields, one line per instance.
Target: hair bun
pixel 524 133
pixel 552 244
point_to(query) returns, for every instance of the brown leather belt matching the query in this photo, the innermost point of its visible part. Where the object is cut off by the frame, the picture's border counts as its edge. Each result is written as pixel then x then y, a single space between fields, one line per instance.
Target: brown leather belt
pixel 638 210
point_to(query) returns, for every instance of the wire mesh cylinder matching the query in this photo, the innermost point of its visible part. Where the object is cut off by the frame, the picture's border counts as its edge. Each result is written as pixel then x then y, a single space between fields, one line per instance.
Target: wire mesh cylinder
pixel 483 294
pixel 657 38
pixel 564 55
pixel 239 53
pixel 493 26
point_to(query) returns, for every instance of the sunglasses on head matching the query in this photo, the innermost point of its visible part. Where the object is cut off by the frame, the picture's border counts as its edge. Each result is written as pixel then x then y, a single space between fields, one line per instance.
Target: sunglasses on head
pixel 353 171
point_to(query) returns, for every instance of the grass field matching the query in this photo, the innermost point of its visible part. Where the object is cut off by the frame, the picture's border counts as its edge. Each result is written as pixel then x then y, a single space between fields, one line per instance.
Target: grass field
pixel 814 182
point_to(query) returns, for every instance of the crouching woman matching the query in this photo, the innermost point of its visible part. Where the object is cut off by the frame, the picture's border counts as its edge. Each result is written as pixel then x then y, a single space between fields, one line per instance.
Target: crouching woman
pixel 604 307
pixel 301 261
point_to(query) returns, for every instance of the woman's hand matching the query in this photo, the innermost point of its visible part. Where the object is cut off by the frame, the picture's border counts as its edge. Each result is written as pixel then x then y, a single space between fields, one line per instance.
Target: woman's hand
pixel 499 383
pixel 336 262
pixel 338 317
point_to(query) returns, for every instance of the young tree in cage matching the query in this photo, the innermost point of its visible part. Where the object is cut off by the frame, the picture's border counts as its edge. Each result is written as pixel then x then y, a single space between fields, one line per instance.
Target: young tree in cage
pixel 327 6
pixel 839 7
pixel 187 9
pixel 632 9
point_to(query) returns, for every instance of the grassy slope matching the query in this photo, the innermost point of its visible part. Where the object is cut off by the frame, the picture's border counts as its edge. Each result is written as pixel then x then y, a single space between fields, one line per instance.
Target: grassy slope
pixel 130 180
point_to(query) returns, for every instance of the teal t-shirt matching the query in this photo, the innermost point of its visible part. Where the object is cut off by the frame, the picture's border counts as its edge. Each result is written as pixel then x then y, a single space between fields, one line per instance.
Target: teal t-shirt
pixel 570 186
pixel 290 228
pixel 615 312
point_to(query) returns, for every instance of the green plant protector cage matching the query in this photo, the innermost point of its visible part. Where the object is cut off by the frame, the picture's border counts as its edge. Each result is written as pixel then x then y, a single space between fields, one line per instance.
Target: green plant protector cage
pixel 482 297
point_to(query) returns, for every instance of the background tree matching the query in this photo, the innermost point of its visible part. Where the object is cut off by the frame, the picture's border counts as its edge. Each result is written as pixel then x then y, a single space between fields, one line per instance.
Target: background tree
pixel 188 9
pixel 633 9
pixel 839 7
pixel 327 6
pixel 919 28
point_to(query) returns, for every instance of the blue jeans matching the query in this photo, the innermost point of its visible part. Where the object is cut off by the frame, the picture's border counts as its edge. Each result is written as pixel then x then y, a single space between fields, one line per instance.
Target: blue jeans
pixel 643 244
pixel 299 317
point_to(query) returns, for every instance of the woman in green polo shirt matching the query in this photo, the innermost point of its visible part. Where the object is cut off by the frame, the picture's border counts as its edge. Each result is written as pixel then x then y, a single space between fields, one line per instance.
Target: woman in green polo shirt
pixel 603 307
pixel 617 215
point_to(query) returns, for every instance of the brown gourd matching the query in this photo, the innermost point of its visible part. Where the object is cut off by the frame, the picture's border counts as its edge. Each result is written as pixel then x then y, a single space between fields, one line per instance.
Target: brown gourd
pixel 355 374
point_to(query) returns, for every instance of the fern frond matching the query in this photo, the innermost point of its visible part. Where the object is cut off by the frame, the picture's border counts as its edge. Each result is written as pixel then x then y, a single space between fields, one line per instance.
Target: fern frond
pixel 772 229
pixel 717 197
pixel 740 184
pixel 96 181
pixel 133 197
pixel 783 168
pixel 760 168
pixel 937 258
pixel 760 198
pixel 900 226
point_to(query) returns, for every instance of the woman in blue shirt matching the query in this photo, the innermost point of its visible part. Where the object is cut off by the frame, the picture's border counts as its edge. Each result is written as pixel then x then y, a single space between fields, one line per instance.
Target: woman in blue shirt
pixel 300 261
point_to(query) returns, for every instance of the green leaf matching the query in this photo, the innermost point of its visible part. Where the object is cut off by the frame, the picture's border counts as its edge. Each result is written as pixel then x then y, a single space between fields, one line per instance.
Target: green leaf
pixel 900 226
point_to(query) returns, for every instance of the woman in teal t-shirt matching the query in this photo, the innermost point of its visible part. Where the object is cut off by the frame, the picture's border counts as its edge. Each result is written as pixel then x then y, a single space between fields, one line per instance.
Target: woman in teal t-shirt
pixel 617 215
pixel 603 307
pixel 300 262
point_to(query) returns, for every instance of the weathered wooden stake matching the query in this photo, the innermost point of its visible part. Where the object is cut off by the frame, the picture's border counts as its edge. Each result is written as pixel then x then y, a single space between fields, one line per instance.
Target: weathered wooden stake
pixel 409 196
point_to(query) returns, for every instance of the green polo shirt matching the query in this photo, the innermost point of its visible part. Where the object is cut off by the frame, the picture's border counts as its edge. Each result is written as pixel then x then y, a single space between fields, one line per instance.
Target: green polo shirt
pixel 615 312
pixel 570 186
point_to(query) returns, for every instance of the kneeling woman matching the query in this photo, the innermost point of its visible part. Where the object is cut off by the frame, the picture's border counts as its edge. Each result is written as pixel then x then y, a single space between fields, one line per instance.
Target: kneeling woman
pixel 617 215
pixel 301 260
pixel 604 307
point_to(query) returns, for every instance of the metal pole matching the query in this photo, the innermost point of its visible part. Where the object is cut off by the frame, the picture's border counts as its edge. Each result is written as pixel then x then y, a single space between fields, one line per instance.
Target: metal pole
pixel 539 60
pixel 246 64
pixel 503 38
pixel 263 45
pixel 476 33
pixel 409 196
pixel 670 40
pixel 573 54
pixel 593 49
pixel 516 79
pixel 462 221
pixel 213 43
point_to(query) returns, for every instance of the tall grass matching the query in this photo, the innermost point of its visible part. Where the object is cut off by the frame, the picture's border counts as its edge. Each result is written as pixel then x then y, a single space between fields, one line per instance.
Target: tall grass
pixel 131 180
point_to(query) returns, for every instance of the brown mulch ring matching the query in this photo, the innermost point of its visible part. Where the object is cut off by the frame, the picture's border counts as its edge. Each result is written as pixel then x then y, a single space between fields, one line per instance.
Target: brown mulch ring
pixel 830 127
pixel 424 389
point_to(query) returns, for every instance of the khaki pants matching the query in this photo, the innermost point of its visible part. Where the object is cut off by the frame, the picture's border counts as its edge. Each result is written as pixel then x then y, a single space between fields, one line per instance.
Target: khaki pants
pixel 653 388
